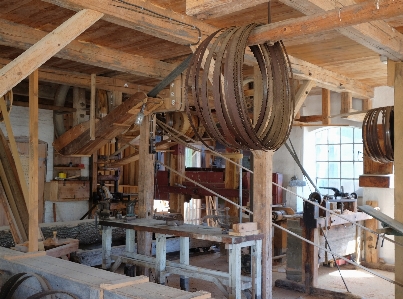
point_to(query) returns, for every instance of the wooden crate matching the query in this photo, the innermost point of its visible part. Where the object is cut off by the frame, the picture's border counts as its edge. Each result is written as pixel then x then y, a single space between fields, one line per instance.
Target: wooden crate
pixel 67 190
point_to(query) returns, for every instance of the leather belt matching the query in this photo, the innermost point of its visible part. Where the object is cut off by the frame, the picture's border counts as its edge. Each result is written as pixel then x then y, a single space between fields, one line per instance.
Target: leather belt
pixel 216 71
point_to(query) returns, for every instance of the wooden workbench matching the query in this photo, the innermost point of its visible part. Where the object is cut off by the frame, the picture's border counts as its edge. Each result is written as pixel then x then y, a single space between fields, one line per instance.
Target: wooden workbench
pixel 234 280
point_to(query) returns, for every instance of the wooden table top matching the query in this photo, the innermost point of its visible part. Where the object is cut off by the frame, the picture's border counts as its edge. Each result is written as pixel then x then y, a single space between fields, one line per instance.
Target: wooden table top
pixel 186 230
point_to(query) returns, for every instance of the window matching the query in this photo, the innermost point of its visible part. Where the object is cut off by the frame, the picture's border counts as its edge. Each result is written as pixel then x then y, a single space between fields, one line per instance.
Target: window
pixel 339 153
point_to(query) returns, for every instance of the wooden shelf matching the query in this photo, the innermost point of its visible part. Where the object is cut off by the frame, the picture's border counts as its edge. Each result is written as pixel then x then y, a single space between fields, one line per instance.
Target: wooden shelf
pixel 68 167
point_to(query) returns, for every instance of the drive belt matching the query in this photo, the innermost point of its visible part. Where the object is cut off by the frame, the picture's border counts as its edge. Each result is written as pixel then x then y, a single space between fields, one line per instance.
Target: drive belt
pixel 372 134
pixel 214 87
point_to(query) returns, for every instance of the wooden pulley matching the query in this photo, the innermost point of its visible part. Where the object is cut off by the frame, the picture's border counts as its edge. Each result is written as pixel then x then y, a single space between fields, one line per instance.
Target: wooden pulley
pixel 180 122
pixel 8 97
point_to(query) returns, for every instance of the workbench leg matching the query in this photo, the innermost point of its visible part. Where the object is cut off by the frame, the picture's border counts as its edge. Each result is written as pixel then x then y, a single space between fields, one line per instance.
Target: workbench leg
pixel 257 270
pixel 130 270
pixel 106 247
pixel 184 259
pixel 235 271
pixel 161 255
pixel 130 242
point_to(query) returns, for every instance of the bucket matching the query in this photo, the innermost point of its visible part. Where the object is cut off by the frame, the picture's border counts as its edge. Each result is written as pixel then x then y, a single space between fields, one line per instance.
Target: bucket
pixel 62 175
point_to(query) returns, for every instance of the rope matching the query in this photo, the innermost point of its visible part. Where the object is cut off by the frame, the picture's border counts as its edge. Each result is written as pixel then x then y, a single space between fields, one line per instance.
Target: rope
pixel 339 256
pixel 275 184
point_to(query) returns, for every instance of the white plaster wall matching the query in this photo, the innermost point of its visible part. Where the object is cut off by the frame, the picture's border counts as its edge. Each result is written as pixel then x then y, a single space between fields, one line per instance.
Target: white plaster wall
pixel 65 211
pixel 19 118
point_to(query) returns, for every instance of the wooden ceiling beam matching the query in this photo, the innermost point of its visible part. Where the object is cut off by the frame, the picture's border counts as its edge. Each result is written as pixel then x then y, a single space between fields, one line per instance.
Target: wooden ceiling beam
pixel 145 17
pixel 207 9
pixel 57 76
pixel 23 37
pixel 45 48
pixel 376 35
pixel 327 20
pixel 128 15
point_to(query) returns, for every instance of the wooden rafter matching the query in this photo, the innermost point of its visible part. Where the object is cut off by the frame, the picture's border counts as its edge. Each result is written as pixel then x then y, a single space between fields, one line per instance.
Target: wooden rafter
pixel 376 35
pixel 303 26
pixel 207 9
pixel 50 44
pixel 86 52
pixel 302 94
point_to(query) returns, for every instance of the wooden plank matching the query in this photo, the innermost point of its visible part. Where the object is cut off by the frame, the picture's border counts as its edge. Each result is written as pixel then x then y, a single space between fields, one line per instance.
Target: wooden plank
pixel 376 35
pixel 244 227
pixel 59 191
pixel 371 253
pixel 28 255
pixel 9 216
pixel 398 161
pixel 88 53
pixel 385 219
pixel 14 150
pixel 346 102
pixel 177 162
pixel 145 188
pixel 390 73
pixel 33 162
pixel 302 94
pixel 124 283
pixel 366 104
pixel 126 160
pixel 310 258
pixel 10 180
pixel 35 56
pixel 231 181
pixel 262 200
pixel 310 118
pixel 325 106
pixel 208 9
pixel 374 181
pixel 71 246
pixel 92 107
pixel 248 233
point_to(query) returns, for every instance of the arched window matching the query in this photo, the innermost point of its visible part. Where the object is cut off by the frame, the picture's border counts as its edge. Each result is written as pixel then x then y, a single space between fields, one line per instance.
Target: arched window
pixel 339 154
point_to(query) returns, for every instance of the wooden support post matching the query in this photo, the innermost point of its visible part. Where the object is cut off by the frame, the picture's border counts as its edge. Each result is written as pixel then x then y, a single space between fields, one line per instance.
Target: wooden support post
pixel 325 106
pixel 92 107
pixel 398 174
pixel 366 104
pixel 15 231
pixel 310 258
pixel 106 247
pixel 262 200
pixel 53 42
pixel 80 105
pixel 371 253
pixel 177 162
pixel 146 188
pixel 256 256
pixel 302 94
pixel 235 271
pixel 346 102
pixel 232 181
pixel 160 257
pixel 184 259
pixel 33 162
